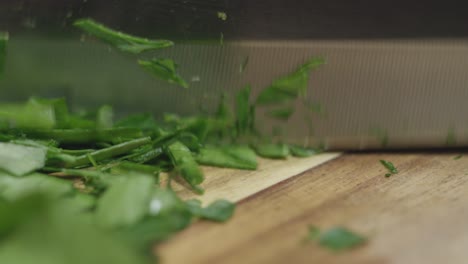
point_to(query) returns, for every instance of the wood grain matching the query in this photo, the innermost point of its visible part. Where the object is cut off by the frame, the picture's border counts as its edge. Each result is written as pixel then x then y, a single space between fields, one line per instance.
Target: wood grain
pixel 235 185
pixel 417 216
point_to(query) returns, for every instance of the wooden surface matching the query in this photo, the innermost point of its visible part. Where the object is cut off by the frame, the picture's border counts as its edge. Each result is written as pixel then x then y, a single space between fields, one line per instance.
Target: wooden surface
pixel 235 185
pixel 417 216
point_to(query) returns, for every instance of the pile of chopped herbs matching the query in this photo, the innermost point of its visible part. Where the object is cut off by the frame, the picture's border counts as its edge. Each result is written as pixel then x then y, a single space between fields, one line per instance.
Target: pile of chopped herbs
pixel 83 187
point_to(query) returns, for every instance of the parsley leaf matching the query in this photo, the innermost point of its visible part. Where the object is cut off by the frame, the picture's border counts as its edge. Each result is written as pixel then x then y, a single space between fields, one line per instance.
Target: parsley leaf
pixel 303 152
pixel 238 157
pixel 186 165
pixel 126 202
pixel 390 167
pixel 272 150
pixel 222 15
pixel 339 238
pixel 13 188
pixel 289 87
pixel 123 42
pixel 219 210
pixel 245 112
pixel 164 69
pixel 31 115
pixel 20 160
pixel 45 229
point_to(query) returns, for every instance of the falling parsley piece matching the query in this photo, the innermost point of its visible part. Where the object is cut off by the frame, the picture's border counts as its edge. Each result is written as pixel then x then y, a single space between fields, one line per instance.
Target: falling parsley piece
pixel 164 69
pixel 245 112
pixel 451 138
pixel 339 239
pixel 222 15
pixel 221 39
pixel 123 42
pixel 458 157
pixel 289 87
pixel 3 43
pixel 244 64
pixel 390 167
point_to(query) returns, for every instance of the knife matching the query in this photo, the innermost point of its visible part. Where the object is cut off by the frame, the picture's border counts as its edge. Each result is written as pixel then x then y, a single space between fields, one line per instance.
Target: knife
pixel 395 75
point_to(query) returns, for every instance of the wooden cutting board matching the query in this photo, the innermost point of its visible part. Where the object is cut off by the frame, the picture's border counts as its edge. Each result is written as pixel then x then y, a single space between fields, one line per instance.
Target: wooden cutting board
pixel 417 216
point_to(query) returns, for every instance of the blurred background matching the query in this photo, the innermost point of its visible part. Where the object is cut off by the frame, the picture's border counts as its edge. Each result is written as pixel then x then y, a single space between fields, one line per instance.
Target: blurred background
pixel 393 68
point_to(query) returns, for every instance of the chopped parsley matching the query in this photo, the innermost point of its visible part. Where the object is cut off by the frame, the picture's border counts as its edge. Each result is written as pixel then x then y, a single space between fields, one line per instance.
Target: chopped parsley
pixel 339 239
pixel 390 167
pixel 164 69
pixel 115 201
pixel 121 41
pixel 222 15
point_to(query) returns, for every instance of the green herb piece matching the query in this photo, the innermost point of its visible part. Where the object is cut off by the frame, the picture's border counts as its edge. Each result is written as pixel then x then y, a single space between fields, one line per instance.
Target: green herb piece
pixel 85 136
pixel 3 43
pixel 245 112
pixel 238 157
pixel 141 121
pixel 59 108
pixel 146 156
pixel 91 160
pixel 105 117
pixel 339 239
pixel 390 167
pixel 186 165
pixel 221 39
pixel 20 160
pixel 123 42
pixel 290 87
pixel 126 202
pixel 164 69
pixel 282 113
pixel 30 115
pixel 164 202
pixel 168 214
pixel 458 157
pixel 54 154
pixel 244 64
pixel 219 210
pixel 149 169
pixel 80 202
pixel 303 152
pixel 222 15
pixel 272 151
pixel 451 138
pixel 109 152
pixel 381 135
pixel 223 112
pixel 12 188
pixel 47 226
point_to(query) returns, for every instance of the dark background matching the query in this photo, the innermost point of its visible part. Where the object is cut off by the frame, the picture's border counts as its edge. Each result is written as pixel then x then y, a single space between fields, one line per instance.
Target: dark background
pixel 247 19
